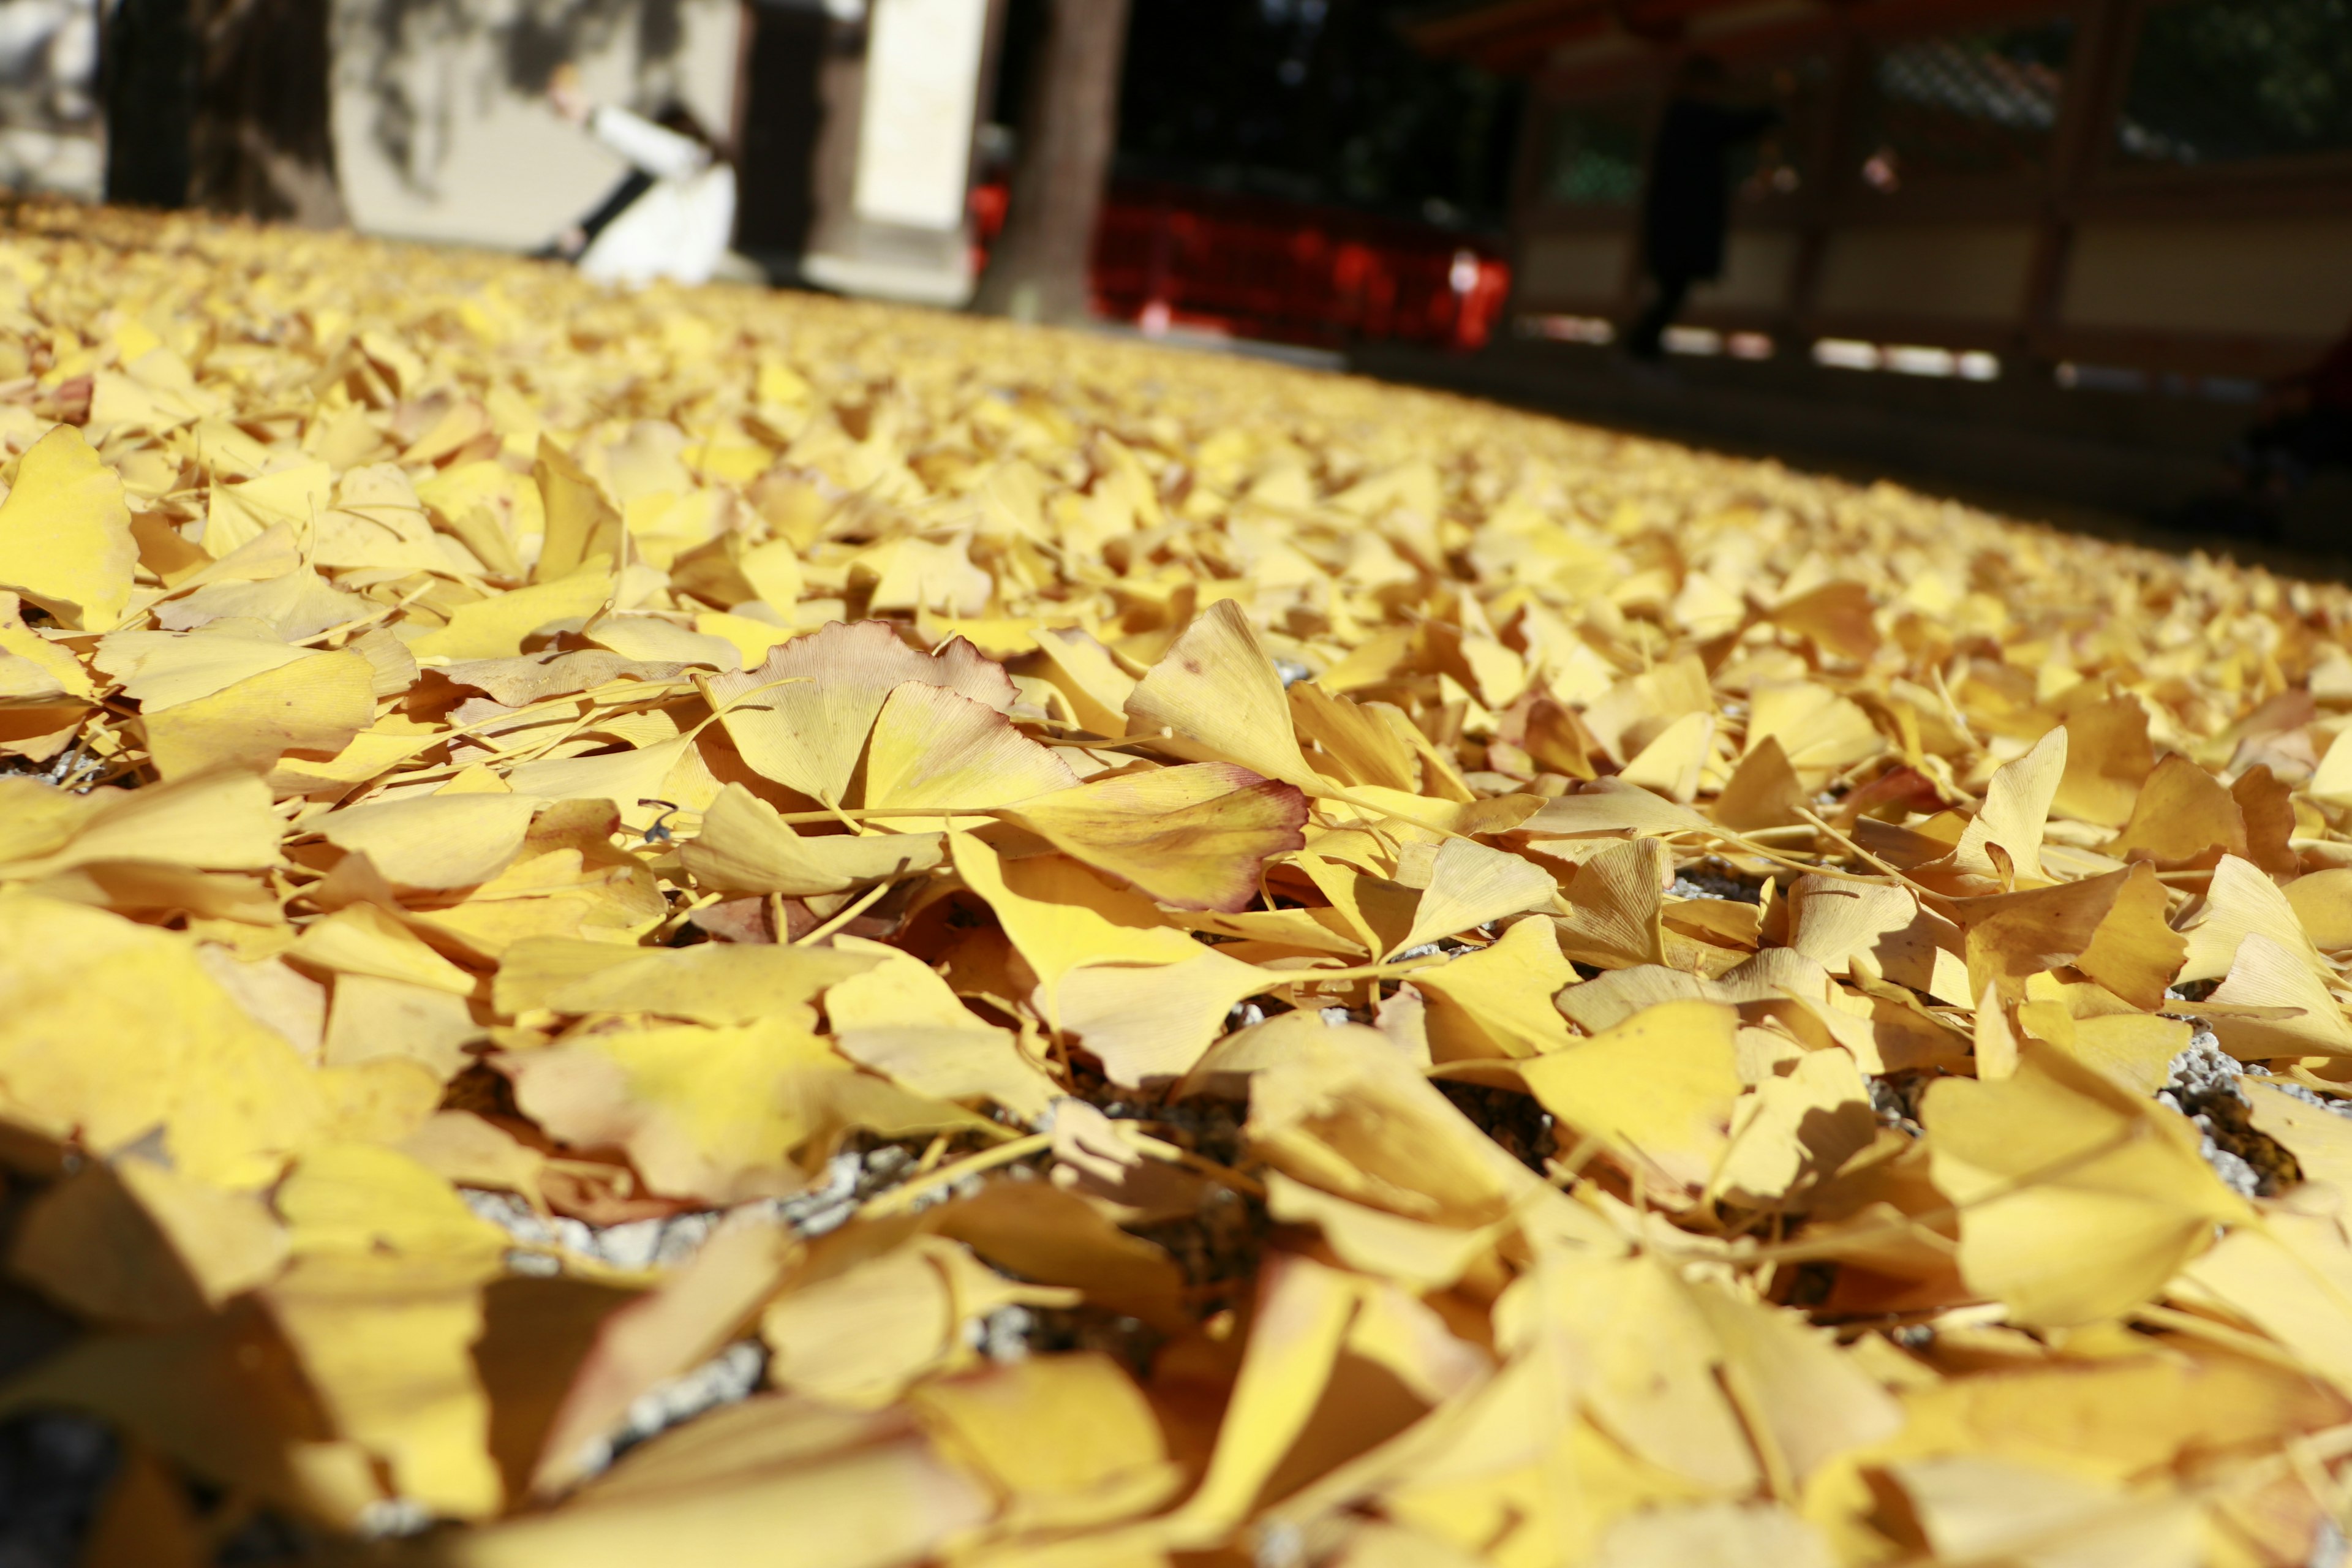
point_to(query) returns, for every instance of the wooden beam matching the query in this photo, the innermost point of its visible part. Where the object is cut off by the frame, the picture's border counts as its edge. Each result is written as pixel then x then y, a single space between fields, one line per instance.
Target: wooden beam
pixel 2093 86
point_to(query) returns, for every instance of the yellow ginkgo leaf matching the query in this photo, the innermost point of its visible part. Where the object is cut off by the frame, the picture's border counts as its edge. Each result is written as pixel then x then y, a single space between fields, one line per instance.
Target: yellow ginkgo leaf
pixel 1497 1000
pixel 363 940
pixel 803 716
pixel 745 845
pixel 1472 885
pixel 1062 917
pixel 219 822
pixel 901 1020
pixel 2016 807
pixel 64 533
pixel 496 627
pixel 711 984
pixel 715 1113
pixel 2079 1198
pixel 436 841
pixel 1657 1089
pixel 932 746
pixel 1217 688
pixel 2241 901
pixel 313 705
pixel 1194 838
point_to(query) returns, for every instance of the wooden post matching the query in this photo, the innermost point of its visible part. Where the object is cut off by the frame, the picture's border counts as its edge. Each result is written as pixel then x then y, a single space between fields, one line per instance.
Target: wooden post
pixel 2093 85
pixel 1829 172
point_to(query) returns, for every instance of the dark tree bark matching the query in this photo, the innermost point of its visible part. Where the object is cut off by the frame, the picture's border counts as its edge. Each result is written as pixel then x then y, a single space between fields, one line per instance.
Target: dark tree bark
pixel 226 105
pixel 264 141
pixel 1069 128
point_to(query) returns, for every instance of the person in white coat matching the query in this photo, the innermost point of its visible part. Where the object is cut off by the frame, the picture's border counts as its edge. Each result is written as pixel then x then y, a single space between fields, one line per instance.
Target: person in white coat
pixel 672 217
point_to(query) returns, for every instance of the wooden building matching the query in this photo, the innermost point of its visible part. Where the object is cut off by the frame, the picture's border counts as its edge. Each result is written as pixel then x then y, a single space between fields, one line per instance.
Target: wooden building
pixel 2151 196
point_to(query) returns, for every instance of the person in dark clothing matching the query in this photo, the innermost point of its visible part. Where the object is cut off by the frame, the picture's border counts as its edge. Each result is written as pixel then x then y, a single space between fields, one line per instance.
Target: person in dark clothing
pixel 2305 425
pixel 1687 205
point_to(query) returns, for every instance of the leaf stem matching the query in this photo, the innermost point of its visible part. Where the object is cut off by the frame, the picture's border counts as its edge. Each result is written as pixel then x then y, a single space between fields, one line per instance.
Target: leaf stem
pixel 903 1196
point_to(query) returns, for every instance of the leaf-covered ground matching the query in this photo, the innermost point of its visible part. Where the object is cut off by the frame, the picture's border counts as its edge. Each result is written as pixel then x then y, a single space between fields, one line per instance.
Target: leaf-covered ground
pixel 1166 961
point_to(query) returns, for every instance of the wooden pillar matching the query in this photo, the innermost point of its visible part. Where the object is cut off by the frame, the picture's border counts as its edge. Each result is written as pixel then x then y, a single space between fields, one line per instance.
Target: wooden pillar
pixel 2094 92
pixel 1527 169
pixel 1829 172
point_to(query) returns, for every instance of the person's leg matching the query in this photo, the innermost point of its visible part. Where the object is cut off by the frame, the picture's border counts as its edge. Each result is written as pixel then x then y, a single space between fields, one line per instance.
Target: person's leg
pixel 1646 341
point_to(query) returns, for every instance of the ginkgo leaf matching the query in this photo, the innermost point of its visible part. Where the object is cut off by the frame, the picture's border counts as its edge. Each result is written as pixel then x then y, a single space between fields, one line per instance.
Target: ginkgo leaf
pixel 2111 927
pixel 496 627
pixel 2107 758
pixel 932 746
pixel 1763 791
pixel 1151 1022
pixel 219 822
pixel 651 641
pixel 1615 902
pixel 136 1243
pixel 745 845
pixel 1217 688
pixel 1499 1000
pixel 2241 901
pixel 582 526
pixel 901 1020
pixel 363 940
pixel 860 1336
pixel 436 841
pixel 1062 917
pixel 711 984
pixel 803 716
pixel 1657 1088
pixel 111 1063
pixel 2079 1199
pixel 64 533
pixel 295 606
pixel 2180 813
pixel 1470 885
pixel 163 669
pixel 1070 1438
pixel 1084 672
pixel 714 1113
pixel 1194 838
pixel 2303 1015
pixel 658 1336
pixel 315 705
pixel 2016 807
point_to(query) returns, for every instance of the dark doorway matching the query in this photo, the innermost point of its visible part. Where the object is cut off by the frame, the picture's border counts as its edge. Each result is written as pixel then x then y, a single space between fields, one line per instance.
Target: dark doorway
pixel 148 69
pixel 783 113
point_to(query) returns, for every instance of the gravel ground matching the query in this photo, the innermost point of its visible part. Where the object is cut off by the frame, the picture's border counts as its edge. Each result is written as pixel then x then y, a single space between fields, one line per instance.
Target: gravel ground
pixel 2202 1084
pixel 54 1471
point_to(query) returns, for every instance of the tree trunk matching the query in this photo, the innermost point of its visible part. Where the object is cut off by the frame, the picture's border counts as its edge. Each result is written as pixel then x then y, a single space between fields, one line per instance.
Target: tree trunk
pixel 226 105
pixel 264 141
pixel 1038 271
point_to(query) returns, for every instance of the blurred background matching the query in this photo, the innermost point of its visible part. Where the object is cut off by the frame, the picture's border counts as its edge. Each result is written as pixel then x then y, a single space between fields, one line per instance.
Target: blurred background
pixel 2062 254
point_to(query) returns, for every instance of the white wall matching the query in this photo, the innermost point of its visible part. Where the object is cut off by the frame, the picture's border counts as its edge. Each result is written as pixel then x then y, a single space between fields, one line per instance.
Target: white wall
pixel 434 139
pixel 49 133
